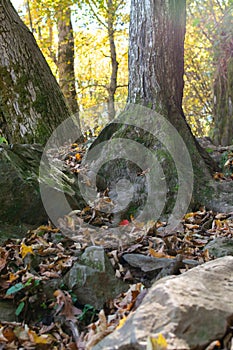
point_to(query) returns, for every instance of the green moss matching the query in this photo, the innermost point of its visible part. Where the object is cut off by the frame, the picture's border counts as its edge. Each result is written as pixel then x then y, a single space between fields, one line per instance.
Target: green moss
pixel 6 78
pixel 40 104
pixel 41 134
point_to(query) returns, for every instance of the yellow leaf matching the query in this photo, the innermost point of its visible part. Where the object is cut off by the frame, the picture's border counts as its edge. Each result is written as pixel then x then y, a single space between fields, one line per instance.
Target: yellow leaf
pixel 12 277
pixel 159 254
pixel 158 343
pixel 122 322
pixel 78 156
pixel 39 339
pixel 25 249
pixel 189 215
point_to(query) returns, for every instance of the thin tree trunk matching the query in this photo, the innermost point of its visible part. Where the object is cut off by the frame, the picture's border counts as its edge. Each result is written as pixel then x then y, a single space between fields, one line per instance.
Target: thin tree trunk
pixel 66 59
pixel 223 103
pixel 114 66
pixel 31 103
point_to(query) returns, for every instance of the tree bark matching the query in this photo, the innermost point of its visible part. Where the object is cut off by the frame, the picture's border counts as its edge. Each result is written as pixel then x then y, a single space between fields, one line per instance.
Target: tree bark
pixel 65 62
pixel 223 92
pixel 156 68
pixel 156 54
pixel 113 80
pixel 31 102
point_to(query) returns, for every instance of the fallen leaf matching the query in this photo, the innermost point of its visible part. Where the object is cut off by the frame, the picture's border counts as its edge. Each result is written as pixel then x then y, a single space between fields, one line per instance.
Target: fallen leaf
pixel 3 258
pixel 158 343
pixel 124 223
pixel 40 339
pixel 65 305
pixel 9 334
pixel 25 249
pixel 122 322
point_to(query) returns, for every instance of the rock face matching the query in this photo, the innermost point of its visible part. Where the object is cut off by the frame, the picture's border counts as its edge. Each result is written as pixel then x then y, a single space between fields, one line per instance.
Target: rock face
pixel 19 189
pixel 190 310
pixel 219 247
pixel 7 311
pixel 223 200
pixel 20 197
pixel 93 279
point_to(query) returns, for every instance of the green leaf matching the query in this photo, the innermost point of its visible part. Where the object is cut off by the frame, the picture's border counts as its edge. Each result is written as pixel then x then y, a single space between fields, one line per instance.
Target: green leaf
pixel 36 283
pixel 20 308
pixel 14 289
pixel 29 282
pixel 87 309
pixel 3 140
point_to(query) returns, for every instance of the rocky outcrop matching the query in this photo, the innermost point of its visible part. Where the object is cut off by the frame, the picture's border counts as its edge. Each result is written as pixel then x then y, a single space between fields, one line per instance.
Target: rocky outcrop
pixel 20 197
pixel 93 278
pixel 190 310
pixel 19 188
pixel 219 247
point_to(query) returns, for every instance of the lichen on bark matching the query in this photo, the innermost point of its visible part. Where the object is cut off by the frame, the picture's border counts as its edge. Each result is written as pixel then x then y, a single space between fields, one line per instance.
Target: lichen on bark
pixel 31 103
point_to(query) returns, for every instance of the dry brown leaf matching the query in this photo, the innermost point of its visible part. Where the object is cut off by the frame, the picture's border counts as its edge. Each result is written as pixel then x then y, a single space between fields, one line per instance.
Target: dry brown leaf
pixel 65 305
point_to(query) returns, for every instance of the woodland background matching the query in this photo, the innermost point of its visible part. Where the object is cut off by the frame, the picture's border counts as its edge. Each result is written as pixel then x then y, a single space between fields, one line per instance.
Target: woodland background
pixel 86 46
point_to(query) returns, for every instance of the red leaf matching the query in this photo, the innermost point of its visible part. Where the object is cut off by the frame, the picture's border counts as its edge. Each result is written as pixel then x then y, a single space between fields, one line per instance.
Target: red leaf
pixel 124 223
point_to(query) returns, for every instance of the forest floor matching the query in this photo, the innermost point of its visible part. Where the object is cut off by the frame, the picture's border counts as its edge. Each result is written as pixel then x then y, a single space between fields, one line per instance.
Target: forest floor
pixel 62 322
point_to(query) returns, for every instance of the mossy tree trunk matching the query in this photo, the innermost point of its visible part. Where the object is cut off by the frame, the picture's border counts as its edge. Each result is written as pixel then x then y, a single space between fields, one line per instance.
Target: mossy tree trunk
pixel 31 102
pixel 156 68
pixel 65 61
pixel 156 63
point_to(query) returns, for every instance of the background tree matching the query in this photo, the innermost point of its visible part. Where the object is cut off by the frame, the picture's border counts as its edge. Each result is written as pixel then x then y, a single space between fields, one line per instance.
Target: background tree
pixel 31 103
pixel 93 71
pixel 198 72
pixel 207 79
pixel 91 54
pixel 223 80
pixel 65 61
pixel 108 14
pixel 53 29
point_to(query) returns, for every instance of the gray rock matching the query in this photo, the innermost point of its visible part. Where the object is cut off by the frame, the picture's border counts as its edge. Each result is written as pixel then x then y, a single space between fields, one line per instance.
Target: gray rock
pixel 7 311
pixel 223 199
pixel 147 263
pixel 19 188
pixel 190 310
pixel 93 278
pixel 219 247
pixel 20 194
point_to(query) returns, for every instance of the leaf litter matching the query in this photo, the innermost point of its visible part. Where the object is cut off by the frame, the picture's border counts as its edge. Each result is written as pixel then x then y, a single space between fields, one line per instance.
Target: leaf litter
pixel 46 253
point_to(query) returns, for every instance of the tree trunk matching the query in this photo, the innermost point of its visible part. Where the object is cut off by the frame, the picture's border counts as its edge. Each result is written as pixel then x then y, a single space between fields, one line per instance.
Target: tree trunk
pixel 156 68
pixel 113 80
pixel 223 96
pixel 31 103
pixel 66 59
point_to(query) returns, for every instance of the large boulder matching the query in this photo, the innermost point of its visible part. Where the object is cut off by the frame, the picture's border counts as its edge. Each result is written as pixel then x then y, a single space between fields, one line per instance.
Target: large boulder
pixel 20 193
pixel 19 188
pixel 190 310
pixel 93 279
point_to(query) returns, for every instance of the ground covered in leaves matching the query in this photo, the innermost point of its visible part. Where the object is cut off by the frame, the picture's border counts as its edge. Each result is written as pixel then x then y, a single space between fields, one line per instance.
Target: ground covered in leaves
pixel 46 253
pixel 62 323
